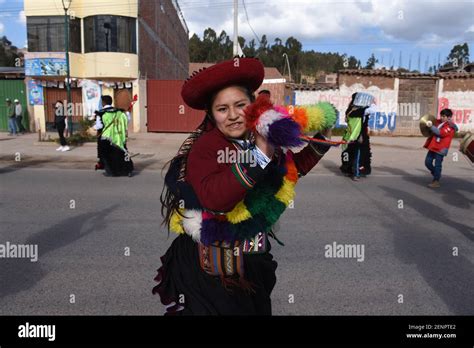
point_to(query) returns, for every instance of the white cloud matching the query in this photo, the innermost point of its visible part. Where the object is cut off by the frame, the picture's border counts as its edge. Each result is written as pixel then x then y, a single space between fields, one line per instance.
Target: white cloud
pixel 416 21
pixel 383 49
pixel 21 18
pixel 1 27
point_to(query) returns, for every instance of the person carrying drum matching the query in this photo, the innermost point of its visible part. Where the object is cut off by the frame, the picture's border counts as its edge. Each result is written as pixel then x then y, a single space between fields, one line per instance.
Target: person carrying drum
pixel 438 144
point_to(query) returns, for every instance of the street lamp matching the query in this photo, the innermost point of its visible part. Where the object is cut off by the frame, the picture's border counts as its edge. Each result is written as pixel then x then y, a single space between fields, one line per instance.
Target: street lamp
pixel 66 6
pixel 288 63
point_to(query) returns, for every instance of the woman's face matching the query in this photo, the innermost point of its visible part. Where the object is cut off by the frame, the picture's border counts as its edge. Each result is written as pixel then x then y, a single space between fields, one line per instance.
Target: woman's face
pixel 228 111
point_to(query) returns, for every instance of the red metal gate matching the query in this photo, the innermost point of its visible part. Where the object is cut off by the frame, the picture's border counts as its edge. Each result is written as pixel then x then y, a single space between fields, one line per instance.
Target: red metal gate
pixel 166 111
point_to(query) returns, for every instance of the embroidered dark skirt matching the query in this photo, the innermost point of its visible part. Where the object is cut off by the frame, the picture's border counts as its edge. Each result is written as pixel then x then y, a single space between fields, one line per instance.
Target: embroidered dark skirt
pixel 115 160
pixel 188 290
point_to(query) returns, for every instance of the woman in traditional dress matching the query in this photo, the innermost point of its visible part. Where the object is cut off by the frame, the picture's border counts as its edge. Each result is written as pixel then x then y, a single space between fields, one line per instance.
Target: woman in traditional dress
pixel 113 138
pixel 224 209
pixel 356 156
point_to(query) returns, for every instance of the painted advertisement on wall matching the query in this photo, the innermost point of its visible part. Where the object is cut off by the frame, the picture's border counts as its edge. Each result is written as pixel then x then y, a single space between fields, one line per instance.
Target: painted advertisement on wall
pixel 35 92
pixel 384 120
pixel 462 105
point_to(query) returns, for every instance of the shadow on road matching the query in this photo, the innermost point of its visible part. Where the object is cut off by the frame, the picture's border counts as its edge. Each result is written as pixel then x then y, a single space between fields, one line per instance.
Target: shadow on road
pixel 449 190
pixel 21 274
pixel 22 164
pixel 431 252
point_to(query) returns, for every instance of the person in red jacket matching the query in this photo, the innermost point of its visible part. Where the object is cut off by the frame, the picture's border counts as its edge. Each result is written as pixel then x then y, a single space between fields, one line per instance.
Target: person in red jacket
pixel 438 144
pixel 220 263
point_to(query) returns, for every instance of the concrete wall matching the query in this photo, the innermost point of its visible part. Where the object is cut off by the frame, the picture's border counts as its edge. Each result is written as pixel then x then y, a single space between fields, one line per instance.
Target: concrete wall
pixel 383 121
pixel 81 8
pixel 400 101
pixel 458 95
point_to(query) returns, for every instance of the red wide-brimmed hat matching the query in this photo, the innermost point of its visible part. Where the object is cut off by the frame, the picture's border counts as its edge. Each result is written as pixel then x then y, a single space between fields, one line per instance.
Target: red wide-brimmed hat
pixel 199 88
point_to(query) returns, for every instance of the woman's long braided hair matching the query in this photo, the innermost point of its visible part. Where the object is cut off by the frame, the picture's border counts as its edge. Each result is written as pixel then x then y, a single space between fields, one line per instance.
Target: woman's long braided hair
pixel 176 173
pixel 170 196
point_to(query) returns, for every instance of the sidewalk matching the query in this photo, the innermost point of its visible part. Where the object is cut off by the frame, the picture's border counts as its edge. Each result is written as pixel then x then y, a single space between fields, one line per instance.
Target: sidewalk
pixel 149 150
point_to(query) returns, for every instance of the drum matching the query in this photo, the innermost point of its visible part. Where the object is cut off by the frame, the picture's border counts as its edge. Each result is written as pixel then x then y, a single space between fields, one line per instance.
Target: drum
pixel 467 146
pixel 424 129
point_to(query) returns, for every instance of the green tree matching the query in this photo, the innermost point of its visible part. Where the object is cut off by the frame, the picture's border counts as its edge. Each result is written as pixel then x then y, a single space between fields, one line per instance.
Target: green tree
pixel 251 49
pixel 9 55
pixel 371 62
pixel 459 56
pixel 196 53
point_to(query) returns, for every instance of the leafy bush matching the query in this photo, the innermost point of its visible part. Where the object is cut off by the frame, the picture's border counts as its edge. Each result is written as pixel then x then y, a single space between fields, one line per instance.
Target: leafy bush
pixel 81 135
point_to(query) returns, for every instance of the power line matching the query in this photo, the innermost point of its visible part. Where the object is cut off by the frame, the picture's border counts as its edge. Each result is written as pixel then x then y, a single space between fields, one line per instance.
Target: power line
pixel 248 21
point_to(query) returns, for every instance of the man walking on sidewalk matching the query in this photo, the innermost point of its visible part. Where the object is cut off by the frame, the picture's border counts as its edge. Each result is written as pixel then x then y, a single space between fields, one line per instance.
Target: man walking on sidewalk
pixel 438 144
pixel 19 116
pixel 11 117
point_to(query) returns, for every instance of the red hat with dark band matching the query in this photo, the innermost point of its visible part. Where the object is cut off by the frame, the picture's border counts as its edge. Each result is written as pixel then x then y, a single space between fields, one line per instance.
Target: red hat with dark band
pixel 199 88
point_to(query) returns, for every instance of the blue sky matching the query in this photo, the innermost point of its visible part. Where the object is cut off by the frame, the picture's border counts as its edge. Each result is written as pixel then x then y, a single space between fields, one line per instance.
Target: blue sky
pixel 425 28
pixel 12 21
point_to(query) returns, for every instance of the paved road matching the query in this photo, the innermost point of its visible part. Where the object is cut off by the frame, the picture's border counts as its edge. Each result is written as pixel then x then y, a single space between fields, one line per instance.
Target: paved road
pixel 408 250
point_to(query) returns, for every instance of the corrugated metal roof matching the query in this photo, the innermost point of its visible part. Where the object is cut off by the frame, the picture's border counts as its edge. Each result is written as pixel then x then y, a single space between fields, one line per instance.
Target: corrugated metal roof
pixel 8 69
pixel 12 72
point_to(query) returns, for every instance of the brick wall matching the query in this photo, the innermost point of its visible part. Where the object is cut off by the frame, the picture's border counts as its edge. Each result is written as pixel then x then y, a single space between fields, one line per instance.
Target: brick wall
pixel 459 84
pixel 163 42
pixel 277 91
pixel 419 97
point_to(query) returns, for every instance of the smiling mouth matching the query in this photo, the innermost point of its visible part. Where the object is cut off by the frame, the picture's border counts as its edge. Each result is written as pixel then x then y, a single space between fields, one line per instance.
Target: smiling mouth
pixel 235 125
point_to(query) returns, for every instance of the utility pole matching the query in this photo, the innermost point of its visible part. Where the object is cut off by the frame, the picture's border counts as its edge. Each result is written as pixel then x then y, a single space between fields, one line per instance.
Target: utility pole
pixel 66 6
pixel 236 29
pixel 419 61
pixel 288 63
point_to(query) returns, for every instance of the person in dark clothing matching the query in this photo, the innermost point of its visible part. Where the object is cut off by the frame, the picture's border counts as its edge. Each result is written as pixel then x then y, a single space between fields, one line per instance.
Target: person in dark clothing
pixel 11 118
pixel 106 106
pixel 112 148
pixel 356 155
pixel 60 123
pixel 19 116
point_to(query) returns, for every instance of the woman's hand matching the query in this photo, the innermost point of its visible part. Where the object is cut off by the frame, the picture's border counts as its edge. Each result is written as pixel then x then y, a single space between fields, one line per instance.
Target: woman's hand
pixel 264 145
